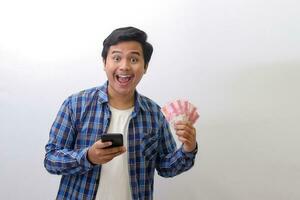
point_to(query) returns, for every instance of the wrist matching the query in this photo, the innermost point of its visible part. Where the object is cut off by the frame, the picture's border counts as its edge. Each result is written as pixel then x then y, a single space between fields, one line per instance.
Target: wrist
pixel 190 149
pixel 88 157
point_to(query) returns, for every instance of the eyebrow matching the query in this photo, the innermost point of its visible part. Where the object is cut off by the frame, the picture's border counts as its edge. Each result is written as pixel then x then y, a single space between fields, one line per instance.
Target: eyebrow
pixel 132 52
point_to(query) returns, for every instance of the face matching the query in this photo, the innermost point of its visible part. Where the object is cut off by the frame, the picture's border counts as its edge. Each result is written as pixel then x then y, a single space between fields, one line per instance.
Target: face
pixel 124 67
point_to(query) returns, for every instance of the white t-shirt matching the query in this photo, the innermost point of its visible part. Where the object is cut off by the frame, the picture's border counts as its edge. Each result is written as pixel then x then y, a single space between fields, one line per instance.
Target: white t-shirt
pixel 114 178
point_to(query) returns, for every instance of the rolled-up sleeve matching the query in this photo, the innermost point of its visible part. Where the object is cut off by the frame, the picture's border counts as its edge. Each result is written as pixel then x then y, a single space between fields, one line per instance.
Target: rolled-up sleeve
pixel 61 157
pixel 172 161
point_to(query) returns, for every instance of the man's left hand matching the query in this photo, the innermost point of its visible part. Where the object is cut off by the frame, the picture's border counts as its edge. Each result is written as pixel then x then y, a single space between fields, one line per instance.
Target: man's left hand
pixel 186 133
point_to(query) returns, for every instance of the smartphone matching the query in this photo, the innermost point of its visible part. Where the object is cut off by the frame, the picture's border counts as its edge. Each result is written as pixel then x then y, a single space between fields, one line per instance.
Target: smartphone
pixel 115 138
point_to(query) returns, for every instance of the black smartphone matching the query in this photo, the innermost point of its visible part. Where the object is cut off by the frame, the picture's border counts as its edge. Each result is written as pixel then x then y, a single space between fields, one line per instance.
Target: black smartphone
pixel 115 138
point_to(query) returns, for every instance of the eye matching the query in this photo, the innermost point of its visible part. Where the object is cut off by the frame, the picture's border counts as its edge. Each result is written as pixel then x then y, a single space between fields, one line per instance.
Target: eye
pixel 133 60
pixel 116 58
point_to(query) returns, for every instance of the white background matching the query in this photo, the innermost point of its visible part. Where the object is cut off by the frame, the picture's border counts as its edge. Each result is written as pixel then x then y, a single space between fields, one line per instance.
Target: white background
pixel 236 60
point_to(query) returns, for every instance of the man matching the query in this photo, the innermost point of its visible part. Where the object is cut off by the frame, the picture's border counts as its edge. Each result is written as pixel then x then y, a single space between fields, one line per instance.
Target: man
pixel 92 170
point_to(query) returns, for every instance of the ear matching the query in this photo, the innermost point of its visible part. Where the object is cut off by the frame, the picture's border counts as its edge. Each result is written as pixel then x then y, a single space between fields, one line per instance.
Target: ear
pixel 145 68
pixel 104 64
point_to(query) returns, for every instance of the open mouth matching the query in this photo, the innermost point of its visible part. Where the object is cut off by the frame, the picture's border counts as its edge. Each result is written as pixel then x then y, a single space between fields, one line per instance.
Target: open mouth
pixel 124 79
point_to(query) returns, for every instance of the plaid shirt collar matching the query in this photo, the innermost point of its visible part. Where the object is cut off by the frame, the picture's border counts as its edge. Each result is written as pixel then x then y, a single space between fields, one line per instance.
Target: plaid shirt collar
pixel 139 101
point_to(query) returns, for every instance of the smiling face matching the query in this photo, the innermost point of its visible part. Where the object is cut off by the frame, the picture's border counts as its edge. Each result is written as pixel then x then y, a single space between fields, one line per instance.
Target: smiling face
pixel 124 67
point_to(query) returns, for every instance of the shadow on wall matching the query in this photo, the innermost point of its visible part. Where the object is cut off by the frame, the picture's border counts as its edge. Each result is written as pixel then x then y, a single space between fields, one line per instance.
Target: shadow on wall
pixel 251 148
pixel 248 149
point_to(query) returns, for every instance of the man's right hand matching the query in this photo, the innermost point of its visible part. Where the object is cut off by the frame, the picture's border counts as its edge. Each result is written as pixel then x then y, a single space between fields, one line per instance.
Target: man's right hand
pixel 98 154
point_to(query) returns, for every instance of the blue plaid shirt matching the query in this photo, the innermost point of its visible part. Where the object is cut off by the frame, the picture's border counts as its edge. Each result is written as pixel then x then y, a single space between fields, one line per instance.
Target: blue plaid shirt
pixel 80 122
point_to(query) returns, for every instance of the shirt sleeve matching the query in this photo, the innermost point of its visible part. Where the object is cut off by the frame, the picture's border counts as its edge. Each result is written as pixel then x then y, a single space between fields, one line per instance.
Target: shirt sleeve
pixel 170 160
pixel 61 157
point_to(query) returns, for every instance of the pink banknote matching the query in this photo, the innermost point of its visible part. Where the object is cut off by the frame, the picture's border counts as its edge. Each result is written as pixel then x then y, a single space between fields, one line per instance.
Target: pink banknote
pixel 180 110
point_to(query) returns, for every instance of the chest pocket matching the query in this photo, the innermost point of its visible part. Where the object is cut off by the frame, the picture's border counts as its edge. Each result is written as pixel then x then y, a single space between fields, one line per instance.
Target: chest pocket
pixel 150 145
pixel 87 134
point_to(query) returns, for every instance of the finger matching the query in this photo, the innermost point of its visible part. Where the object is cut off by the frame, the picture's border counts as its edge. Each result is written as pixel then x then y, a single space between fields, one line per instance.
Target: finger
pixel 186 127
pixel 185 134
pixel 103 161
pixel 186 123
pixel 111 156
pixel 114 150
pixel 117 154
pixel 185 141
pixel 101 145
pixel 187 131
pixel 182 139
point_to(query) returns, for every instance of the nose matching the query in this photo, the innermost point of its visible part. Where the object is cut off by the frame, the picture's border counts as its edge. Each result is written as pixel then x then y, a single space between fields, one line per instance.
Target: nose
pixel 125 65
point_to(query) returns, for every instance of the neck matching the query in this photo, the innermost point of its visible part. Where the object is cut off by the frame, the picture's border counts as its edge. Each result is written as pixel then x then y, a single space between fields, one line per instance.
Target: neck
pixel 122 105
pixel 121 102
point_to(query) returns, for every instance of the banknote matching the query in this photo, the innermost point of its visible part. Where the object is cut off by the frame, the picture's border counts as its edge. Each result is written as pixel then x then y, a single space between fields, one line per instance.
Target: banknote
pixel 180 110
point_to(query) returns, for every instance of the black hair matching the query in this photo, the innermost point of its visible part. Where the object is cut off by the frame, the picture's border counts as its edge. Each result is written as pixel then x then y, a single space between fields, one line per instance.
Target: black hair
pixel 128 34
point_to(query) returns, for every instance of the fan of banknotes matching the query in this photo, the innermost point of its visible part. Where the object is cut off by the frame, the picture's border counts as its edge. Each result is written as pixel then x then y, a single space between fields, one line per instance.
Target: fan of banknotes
pixel 180 110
